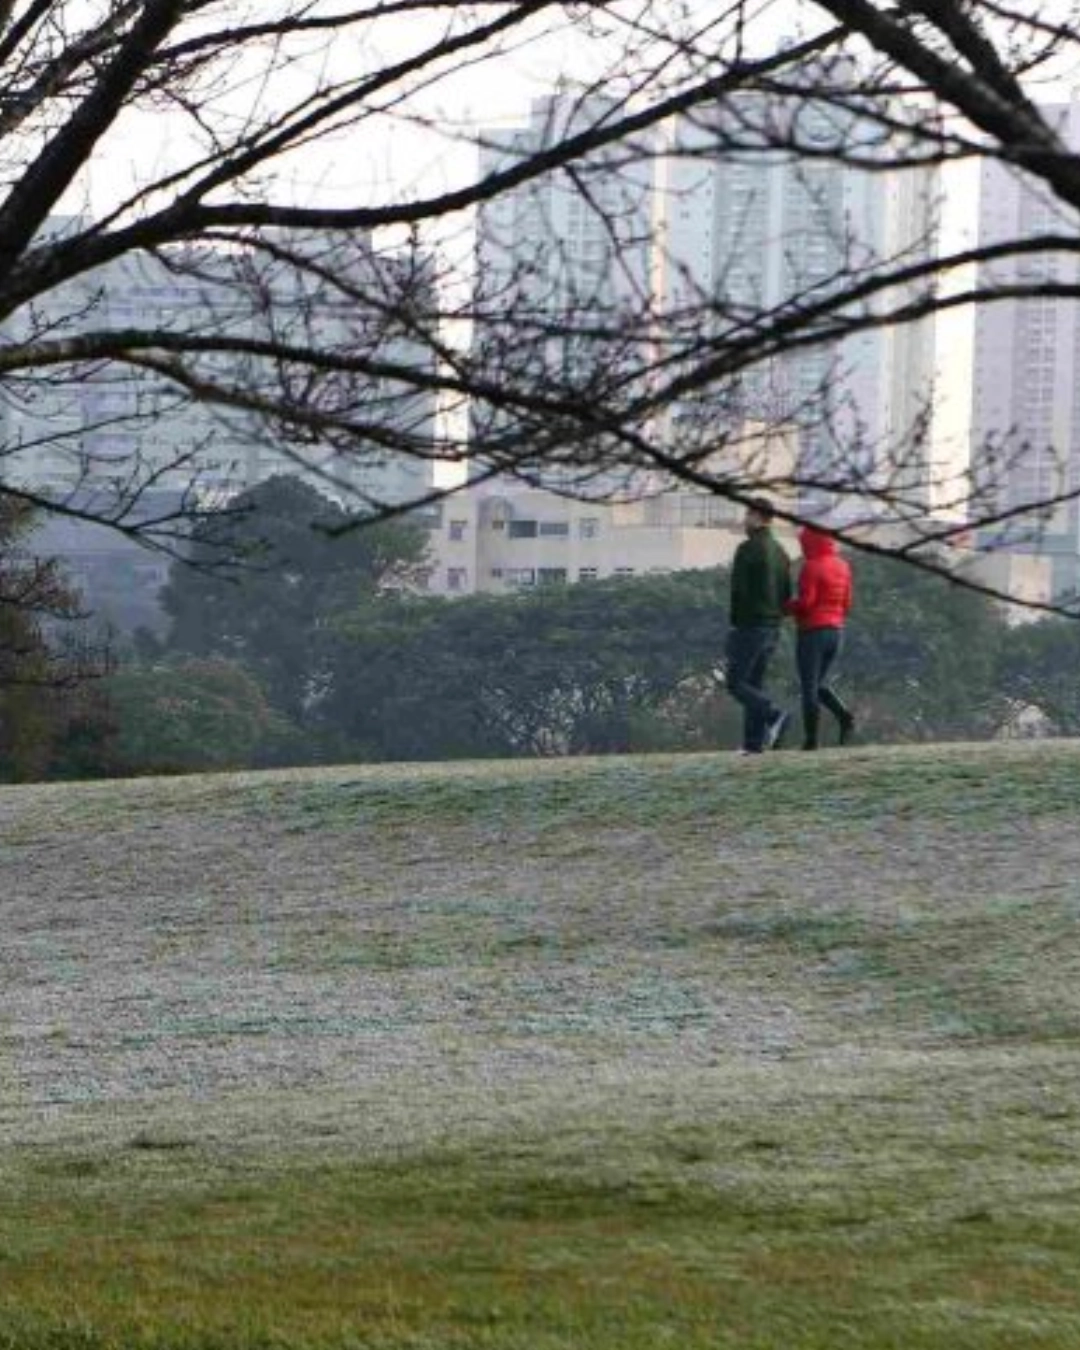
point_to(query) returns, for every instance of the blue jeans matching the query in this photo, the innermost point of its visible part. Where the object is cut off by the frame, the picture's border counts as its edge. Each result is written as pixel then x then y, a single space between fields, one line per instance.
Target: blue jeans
pixel 749 651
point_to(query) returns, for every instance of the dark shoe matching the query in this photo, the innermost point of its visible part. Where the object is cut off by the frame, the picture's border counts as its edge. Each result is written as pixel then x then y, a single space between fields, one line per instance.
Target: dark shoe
pixel 847 730
pixel 774 731
pixel 811 720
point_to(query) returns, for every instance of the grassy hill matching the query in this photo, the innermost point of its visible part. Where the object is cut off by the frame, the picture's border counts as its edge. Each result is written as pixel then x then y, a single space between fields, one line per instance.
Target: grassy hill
pixel 603 1054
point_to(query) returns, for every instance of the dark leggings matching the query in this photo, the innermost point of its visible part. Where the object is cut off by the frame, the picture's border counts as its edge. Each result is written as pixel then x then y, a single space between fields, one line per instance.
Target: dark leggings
pixel 815 653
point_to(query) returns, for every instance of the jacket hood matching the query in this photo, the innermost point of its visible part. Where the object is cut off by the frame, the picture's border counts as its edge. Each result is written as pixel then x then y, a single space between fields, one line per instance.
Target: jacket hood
pixel 815 544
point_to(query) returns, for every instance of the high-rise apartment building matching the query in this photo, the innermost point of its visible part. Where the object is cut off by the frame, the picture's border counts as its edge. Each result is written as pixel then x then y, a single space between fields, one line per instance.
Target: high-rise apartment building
pixel 949 417
pixel 746 232
pixel 88 427
pixel 716 228
pixel 563 273
pixel 1025 395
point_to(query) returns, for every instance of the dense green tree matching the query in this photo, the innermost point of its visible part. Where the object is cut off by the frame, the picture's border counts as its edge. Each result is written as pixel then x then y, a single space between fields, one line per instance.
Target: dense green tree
pixel 45 653
pixel 921 659
pixel 84 744
pixel 611 666
pixel 559 670
pixel 262 579
pixel 191 715
pixel 631 665
pixel 1039 669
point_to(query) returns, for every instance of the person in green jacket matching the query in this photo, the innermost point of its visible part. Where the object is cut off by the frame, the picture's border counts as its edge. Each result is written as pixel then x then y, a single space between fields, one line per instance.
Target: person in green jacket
pixel 760 590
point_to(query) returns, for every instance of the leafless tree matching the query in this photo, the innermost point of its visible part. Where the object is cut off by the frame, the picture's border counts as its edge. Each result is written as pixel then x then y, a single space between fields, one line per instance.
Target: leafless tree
pixel 329 319
pixel 45 643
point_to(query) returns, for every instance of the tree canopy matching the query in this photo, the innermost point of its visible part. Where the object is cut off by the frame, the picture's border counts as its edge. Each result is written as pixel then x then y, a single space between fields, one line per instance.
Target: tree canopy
pixel 563 670
pixel 294 560
pixel 44 649
pixel 627 665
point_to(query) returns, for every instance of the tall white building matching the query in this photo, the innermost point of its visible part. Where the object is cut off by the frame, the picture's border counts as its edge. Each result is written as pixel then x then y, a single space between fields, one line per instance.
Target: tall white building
pixel 744 230
pixel 563 270
pixel 972 407
pixel 503 536
pixel 1025 394
pixel 94 425
pixel 575 241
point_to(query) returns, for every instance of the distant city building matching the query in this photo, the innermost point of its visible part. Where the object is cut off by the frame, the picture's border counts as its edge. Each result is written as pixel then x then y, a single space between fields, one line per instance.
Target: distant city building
pixel 501 536
pixel 497 540
pixel 558 259
pixel 1024 411
pixel 744 232
pixel 735 227
pixel 97 424
pixel 118 580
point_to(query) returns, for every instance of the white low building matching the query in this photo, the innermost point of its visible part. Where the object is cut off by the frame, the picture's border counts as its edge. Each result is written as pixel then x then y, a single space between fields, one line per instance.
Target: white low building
pixel 104 427
pixel 514 538
pixel 501 535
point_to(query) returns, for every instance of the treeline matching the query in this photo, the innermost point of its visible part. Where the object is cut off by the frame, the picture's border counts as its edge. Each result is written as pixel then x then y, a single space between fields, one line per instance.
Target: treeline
pixel 313 646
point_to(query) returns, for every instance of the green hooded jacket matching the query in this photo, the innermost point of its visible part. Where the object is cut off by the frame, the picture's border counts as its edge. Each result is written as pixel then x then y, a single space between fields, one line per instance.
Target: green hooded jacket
pixel 760 581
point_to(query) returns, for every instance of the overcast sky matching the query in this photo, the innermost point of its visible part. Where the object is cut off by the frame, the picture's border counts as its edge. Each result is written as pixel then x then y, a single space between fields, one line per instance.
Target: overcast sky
pixel 394 156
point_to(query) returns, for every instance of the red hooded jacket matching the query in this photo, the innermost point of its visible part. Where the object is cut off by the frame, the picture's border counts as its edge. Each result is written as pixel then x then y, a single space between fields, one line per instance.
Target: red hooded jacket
pixel 824 596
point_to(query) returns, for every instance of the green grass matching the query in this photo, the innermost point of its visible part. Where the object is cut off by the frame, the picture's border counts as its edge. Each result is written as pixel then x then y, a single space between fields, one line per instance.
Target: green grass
pixel 776 1055
pixel 872 1221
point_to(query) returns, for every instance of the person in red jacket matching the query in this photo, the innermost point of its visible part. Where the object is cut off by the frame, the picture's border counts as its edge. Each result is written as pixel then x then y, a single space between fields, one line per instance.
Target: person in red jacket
pixel 820 610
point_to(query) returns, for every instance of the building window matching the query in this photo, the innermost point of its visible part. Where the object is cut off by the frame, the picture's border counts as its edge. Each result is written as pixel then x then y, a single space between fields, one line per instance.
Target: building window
pixel 551 576
pixel 498 524
pixel 457 529
pixel 523 529
pixel 496 574
pixel 589 527
pixel 587 573
pixel 554 529
pixel 456 578
pixel 624 572
pixel 520 576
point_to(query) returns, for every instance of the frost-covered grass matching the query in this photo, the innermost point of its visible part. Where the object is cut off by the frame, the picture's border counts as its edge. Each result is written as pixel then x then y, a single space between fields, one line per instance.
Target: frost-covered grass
pixel 600 1054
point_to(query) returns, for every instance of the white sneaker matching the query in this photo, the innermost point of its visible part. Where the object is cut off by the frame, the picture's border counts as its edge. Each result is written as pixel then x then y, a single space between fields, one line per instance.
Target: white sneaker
pixel 775 730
